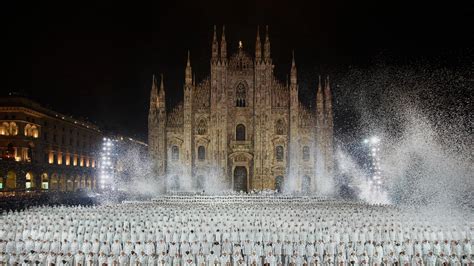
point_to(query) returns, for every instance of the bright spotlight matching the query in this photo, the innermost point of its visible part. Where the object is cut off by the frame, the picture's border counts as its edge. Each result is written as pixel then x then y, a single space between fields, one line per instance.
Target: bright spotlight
pixel 374 140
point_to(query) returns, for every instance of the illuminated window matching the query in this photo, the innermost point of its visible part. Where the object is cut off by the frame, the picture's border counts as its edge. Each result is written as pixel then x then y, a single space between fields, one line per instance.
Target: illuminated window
pixel 279 153
pixel 30 181
pixel 87 162
pixel 13 129
pixel 51 157
pixel 175 153
pixel 27 130
pixel 201 153
pixel 305 153
pixel 34 132
pixel 68 159
pixel 9 129
pixel 74 161
pixel 31 131
pixel 44 181
pixel 4 129
pixel 60 158
pixel 93 163
pixel 81 162
pixel 240 132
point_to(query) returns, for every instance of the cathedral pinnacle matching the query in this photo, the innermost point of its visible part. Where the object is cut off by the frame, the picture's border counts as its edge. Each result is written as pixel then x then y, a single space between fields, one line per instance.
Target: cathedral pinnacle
pixel 319 104
pixel 327 92
pixel 319 83
pixel 266 51
pixel 188 71
pixel 215 34
pixel 189 59
pixel 293 77
pixel 223 45
pixel 162 86
pixel 327 83
pixel 292 58
pixel 153 95
pixel 154 88
pixel 258 46
pixel 215 48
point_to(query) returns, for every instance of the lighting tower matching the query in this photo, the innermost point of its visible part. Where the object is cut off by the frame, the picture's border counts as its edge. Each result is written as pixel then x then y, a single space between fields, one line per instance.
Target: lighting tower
pixel 375 180
pixel 107 164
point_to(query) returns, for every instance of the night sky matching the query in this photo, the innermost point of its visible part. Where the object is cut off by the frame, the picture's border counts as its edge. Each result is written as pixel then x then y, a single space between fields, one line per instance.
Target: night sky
pixel 96 61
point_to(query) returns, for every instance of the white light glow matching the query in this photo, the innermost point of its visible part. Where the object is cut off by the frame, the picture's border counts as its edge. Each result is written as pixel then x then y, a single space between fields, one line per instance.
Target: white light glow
pixel 374 140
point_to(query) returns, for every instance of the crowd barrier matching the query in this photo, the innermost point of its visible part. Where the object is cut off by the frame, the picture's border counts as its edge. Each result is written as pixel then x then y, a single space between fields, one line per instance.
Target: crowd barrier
pixel 241 199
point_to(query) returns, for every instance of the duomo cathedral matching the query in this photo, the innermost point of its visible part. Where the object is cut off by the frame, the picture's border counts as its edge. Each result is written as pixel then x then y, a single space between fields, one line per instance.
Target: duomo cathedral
pixel 242 125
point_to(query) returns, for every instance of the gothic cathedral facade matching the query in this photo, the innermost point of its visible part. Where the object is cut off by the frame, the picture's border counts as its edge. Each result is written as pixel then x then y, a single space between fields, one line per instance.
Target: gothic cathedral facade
pixel 241 127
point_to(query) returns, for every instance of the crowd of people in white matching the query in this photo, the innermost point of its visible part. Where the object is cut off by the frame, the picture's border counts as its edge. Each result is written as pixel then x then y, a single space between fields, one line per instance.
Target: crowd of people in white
pixel 325 233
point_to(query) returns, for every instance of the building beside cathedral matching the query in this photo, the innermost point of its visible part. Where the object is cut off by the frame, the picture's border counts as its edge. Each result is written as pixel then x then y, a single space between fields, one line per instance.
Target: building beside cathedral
pixel 241 127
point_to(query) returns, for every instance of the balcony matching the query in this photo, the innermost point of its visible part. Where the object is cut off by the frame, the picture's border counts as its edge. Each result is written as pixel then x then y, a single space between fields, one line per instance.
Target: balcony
pixel 241 146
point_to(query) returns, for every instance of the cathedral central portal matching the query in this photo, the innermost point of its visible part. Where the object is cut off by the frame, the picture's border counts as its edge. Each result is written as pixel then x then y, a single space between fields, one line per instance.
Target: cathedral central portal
pixel 240 179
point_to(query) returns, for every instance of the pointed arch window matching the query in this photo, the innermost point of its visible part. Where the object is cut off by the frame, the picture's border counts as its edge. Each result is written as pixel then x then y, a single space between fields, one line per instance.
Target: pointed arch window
pixel 175 153
pixel 279 153
pixel 201 153
pixel 240 95
pixel 306 184
pixel 202 127
pixel 240 132
pixel 280 127
pixel 306 153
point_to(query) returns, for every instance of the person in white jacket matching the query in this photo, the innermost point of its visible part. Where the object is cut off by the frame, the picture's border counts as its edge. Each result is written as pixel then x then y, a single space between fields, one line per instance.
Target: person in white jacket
pixel 79 259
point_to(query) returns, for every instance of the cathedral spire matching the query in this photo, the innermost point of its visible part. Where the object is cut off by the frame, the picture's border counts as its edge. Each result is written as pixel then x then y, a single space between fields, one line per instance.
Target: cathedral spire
pixel 328 101
pixel 319 83
pixel 153 93
pixel 223 46
pixel 162 86
pixel 293 73
pixel 266 51
pixel 258 46
pixel 329 130
pixel 215 45
pixel 319 104
pixel 188 72
pixel 161 94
